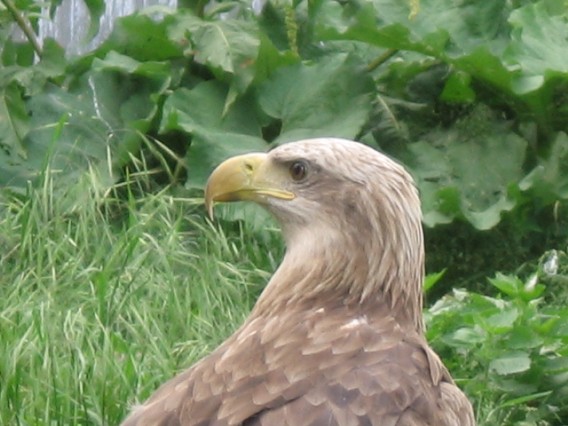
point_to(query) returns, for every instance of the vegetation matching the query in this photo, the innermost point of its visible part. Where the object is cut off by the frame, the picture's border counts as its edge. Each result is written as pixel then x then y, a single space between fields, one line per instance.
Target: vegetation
pixel 111 279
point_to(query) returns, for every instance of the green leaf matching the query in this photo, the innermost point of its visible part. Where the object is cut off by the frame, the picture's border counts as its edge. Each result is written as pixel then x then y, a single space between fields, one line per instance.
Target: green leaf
pixel 16 53
pixel 461 171
pixel 125 102
pixel 438 29
pixel 329 98
pixel 431 279
pixel 458 89
pixel 33 76
pixel 486 66
pixel 502 322
pixel 523 337
pixel 106 111
pixel 143 39
pixel 215 135
pixel 52 63
pixel 229 48
pixel 115 61
pixel 14 121
pixel 555 365
pixel 466 337
pixel 270 59
pixel 538 45
pixel 395 36
pixel 201 108
pixel 511 363
pixel 549 179
pixel 509 285
pixel 64 137
pixel 96 10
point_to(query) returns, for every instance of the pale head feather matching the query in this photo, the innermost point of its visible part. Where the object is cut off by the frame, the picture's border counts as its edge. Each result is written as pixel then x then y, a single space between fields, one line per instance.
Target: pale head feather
pixel 353 232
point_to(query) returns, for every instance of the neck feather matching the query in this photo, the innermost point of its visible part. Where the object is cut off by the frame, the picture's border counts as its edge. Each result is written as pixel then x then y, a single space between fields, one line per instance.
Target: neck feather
pixel 323 267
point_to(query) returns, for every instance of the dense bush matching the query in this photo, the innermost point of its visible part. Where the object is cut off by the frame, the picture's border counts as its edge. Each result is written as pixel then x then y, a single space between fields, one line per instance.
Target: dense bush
pixel 510 352
pixel 471 96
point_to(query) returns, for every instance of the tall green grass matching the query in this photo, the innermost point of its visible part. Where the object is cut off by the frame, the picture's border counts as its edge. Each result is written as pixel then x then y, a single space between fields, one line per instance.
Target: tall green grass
pixel 97 308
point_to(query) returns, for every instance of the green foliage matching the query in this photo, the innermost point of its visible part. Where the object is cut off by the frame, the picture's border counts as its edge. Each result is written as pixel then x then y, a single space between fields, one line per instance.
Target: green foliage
pixel 508 352
pixel 451 90
pixel 462 161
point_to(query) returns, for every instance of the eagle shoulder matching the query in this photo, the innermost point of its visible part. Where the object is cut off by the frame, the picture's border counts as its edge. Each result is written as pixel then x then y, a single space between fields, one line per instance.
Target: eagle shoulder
pixel 317 366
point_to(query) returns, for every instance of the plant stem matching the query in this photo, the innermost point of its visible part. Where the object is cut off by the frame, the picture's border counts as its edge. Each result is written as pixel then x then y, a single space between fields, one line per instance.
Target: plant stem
pixel 24 25
pixel 387 54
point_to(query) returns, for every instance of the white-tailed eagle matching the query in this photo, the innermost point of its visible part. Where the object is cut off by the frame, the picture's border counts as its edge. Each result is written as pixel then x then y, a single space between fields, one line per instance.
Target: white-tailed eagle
pixel 336 338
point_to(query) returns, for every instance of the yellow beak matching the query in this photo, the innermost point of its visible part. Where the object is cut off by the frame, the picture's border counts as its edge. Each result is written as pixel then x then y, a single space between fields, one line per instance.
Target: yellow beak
pixel 249 177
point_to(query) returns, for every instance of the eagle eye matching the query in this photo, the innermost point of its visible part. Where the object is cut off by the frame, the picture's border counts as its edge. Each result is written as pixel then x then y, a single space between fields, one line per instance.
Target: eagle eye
pixel 298 170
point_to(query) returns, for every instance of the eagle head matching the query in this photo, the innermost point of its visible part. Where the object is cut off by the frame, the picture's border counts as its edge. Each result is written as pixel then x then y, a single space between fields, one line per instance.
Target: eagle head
pixel 350 218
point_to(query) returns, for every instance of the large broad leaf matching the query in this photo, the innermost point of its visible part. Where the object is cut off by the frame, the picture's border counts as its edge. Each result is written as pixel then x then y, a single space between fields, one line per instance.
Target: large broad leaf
pixel 142 38
pixel 125 91
pixel 31 76
pixel 114 61
pixel 538 47
pixel 228 45
pixel 126 95
pixel 229 48
pixel 328 98
pixel 486 66
pixel 216 135
pixel 436 27
pixel 105 112
pixel 64 137
pixel 363 25
pixel 201 109
pixel 471 37
pixel 270 59
pixel 467 25
pixel 467 171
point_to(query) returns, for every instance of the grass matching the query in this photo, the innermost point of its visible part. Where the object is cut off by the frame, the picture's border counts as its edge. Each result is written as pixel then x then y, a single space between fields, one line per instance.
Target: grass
pixel 95 311
pixel 101 300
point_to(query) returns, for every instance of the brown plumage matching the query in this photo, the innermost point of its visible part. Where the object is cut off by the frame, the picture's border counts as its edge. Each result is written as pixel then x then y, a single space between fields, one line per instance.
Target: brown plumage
pixel 336 338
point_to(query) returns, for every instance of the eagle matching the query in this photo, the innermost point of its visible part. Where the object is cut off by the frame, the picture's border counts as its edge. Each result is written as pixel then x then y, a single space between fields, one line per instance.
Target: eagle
pixel 336 338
